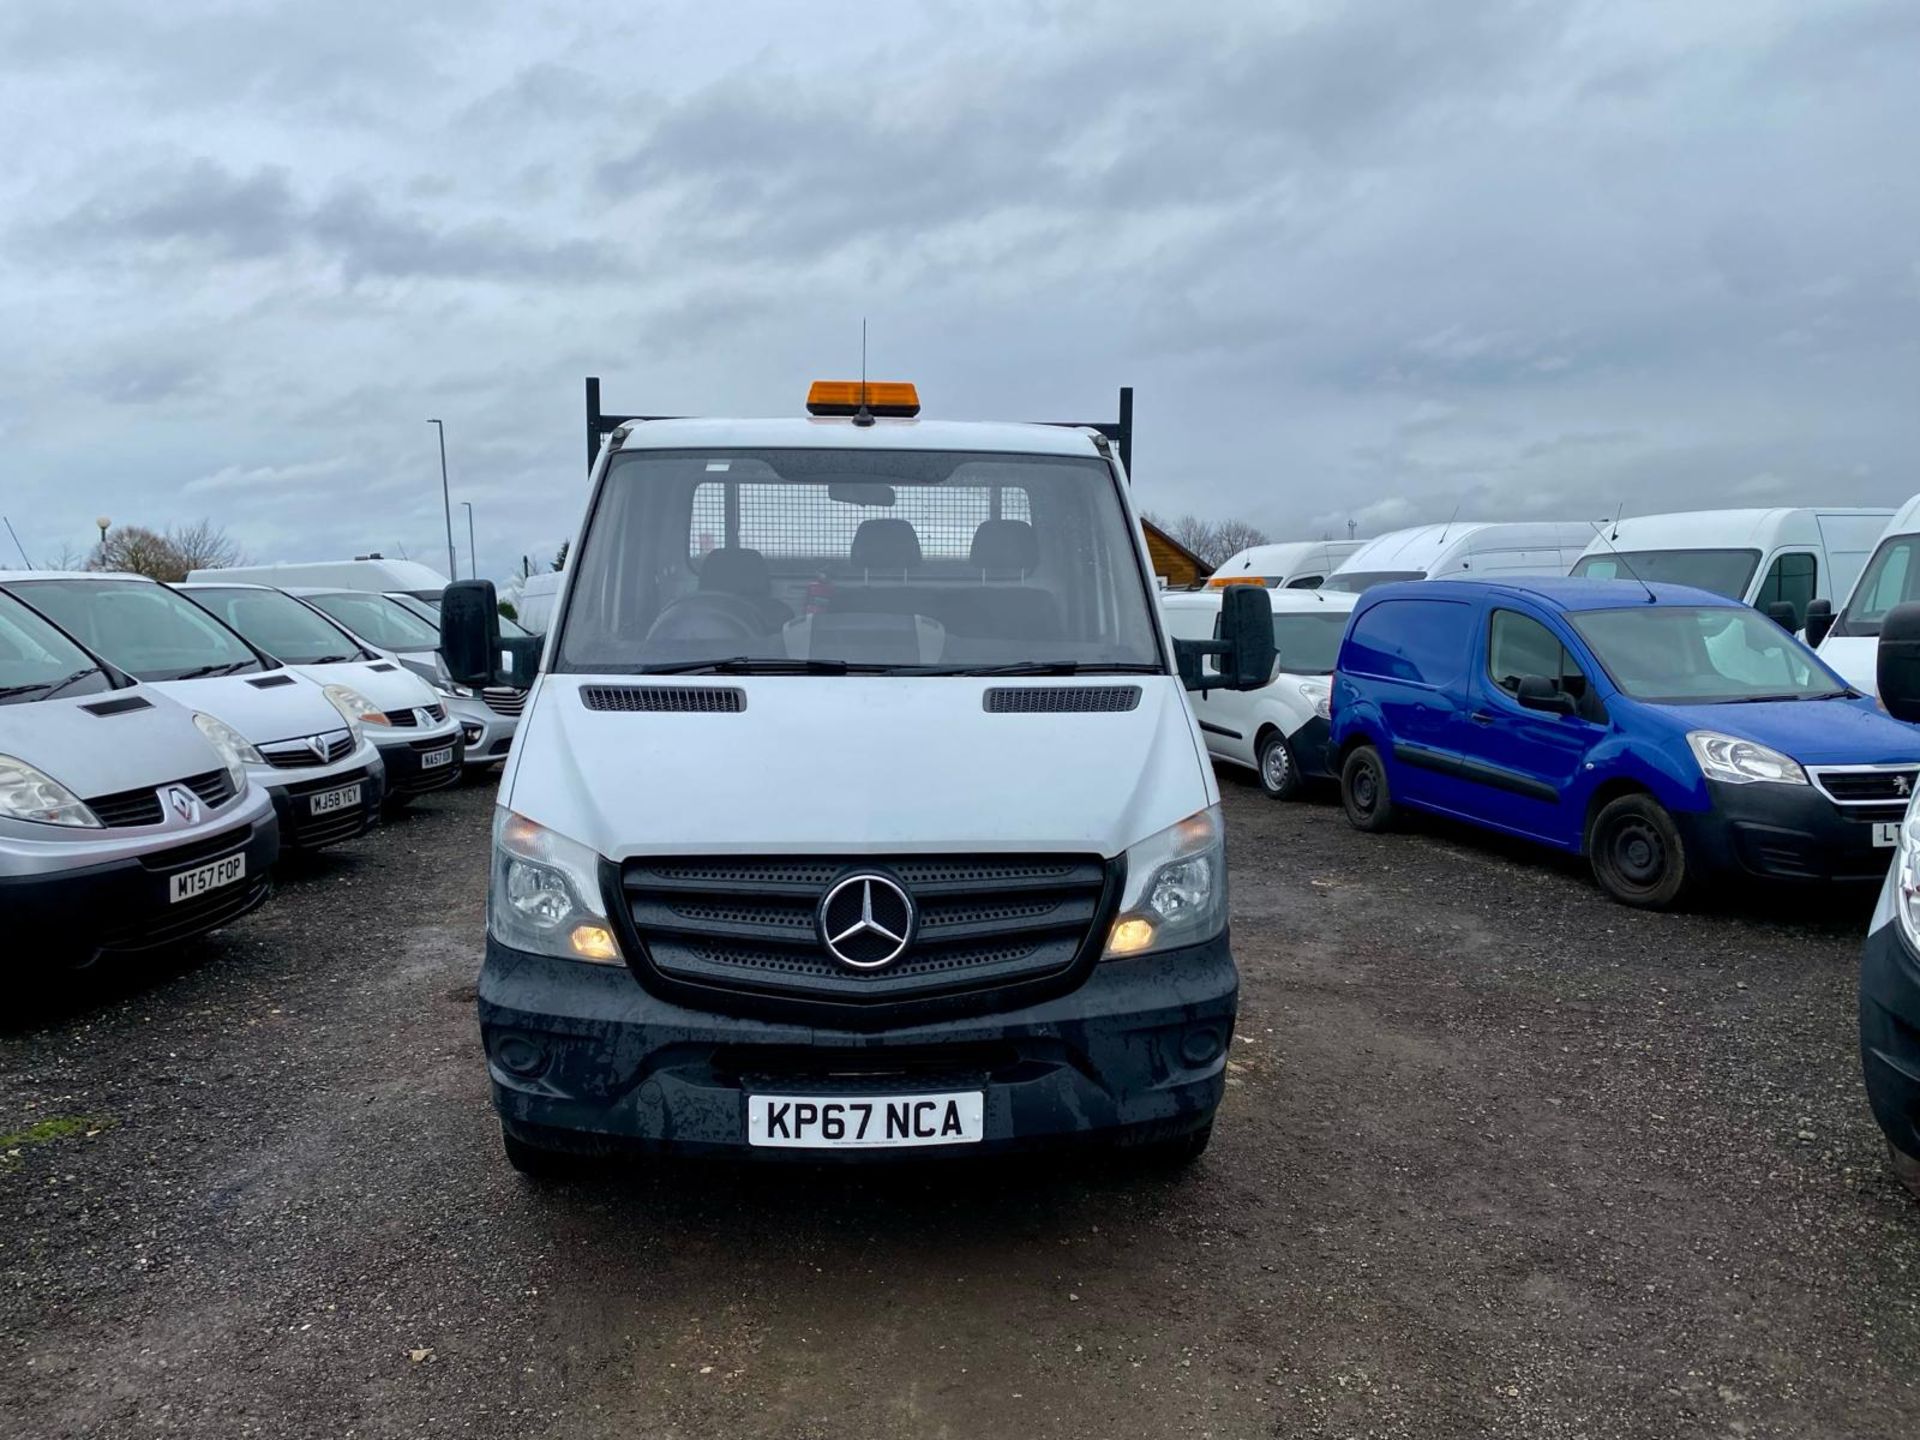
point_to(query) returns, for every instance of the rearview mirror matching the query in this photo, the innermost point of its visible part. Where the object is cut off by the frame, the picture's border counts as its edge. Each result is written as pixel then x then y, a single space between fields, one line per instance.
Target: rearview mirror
pixel 470 632
pixel 1898 667
pixel 1245 647
pixel 861 492
pixel 1537 692
pixel 1782 613
pixel 1819 621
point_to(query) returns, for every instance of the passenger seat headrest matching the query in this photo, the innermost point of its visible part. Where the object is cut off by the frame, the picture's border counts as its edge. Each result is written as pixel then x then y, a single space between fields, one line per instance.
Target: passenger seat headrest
pixel 738 571
pixel 886 544
pixel 1005 546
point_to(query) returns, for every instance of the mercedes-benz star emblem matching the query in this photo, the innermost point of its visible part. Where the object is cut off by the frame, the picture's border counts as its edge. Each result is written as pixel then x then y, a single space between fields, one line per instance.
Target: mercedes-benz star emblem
pixel 866 921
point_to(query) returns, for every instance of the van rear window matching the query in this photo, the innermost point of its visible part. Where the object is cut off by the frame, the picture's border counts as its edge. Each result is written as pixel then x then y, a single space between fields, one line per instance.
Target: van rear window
pixel 1425 642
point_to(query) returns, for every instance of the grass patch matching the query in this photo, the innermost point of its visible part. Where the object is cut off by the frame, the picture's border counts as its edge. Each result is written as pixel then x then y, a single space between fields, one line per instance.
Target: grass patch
pixel 58 1127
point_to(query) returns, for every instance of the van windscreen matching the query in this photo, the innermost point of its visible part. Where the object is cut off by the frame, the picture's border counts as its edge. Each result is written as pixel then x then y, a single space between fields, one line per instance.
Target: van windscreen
pixel 912 561
pixel 1721 572
pixel 1692 655
pixel 1358 582
pixel 1892 577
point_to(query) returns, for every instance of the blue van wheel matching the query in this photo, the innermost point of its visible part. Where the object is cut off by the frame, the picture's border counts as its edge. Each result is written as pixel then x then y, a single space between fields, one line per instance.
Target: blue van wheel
pixel 1637 854
pixel 1363 791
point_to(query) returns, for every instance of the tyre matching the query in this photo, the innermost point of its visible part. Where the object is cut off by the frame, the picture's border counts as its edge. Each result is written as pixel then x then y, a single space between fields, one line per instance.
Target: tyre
pixel 1279 775
pixel 1363 791
pixel 1637 854
pixel 538 1162
pixel 1906 1168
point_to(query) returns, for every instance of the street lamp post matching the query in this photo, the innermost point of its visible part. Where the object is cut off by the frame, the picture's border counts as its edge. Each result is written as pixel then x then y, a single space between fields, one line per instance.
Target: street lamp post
pixel 446 500
pixel 473 560
pixel 102 521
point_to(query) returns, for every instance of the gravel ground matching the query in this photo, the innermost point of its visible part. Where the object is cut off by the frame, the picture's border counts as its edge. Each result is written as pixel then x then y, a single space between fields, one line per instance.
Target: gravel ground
pixel 1498 1158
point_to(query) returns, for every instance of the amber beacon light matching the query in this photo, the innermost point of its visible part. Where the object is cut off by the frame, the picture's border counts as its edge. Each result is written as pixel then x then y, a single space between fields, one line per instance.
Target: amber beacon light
pixel 897 398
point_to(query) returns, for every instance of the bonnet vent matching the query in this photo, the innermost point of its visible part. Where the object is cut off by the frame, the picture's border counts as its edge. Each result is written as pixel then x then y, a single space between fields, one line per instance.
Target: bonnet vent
pixel 271 682
pixel 675 699
pixel 118 707
pixel 383 667
pixel 1060 699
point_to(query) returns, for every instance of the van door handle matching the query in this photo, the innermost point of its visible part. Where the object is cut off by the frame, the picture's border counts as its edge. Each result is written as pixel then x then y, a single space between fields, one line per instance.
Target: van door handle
pixel 1483 717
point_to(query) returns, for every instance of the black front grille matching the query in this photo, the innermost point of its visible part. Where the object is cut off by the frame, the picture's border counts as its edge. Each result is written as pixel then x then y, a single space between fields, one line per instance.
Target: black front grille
pixel 143 807
pixel 983 923
pixel 302 829
pixel 190 917
pixel 1854 786
pixel 672 699
pixel 298 755
pixel 1060 699
pixel 410 719
pixel 504 700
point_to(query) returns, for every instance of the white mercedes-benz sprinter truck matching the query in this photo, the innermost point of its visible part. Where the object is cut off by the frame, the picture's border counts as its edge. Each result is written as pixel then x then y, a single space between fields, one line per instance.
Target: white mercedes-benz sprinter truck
pixel 857 807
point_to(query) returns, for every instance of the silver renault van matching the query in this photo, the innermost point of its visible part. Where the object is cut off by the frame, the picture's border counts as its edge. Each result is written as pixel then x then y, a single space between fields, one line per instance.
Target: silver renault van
pixel 127 822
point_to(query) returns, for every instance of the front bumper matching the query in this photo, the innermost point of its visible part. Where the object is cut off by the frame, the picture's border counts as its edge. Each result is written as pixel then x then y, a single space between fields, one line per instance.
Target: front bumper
pixel 1312 748
pixel 404 759
pixel 582 1057
pixel 1890 1034
pixel 1787 832
pixel 304 828
pixel 487 733
pixel 66 917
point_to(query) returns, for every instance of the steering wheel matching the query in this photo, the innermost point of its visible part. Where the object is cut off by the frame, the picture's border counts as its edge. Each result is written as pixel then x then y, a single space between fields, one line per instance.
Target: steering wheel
pixel 709 615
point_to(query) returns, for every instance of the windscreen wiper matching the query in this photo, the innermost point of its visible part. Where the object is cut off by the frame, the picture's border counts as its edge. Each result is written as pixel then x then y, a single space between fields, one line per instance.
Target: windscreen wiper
pixel 765 665
pixel 50 686
pixel 1042 667
pixel 331 660
pixel 213 670
pixel 75 678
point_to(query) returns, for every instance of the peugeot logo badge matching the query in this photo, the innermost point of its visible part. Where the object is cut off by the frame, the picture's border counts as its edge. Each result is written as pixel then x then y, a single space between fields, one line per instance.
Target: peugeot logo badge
pixel 866 921
pixel 1902 785
pixel 184 803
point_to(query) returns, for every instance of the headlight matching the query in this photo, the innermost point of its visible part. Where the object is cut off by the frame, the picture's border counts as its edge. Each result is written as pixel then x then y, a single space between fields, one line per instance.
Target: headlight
pixel 447 687
pixel 545 894
pixel 1735 761
pixel 354 708
pixel 1906 881
pixel 1319 695
pixel 30 794
pixel 232 746
pixel 1176 888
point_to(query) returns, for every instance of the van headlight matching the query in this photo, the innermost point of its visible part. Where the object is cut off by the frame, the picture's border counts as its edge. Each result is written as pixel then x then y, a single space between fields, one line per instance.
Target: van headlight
pixel 233 747
pixel 545 893
pixel 1176 891
pixel 1318 694
pixel 1734 761
pixel 30 794
pixel 354 708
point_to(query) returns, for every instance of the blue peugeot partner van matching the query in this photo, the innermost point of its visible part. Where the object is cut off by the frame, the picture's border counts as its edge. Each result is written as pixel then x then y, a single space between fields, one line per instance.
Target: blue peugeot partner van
pixel 1666 733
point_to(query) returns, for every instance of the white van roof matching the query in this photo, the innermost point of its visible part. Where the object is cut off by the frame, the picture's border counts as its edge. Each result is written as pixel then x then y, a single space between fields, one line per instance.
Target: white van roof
pixel 840 433
pixel 1284 558
pixel 409 575
pixel 1284 602
pixel 1757 529
pixel 1422 547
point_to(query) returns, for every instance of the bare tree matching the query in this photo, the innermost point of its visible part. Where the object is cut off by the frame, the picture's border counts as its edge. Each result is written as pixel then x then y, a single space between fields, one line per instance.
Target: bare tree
pixel 1213 541
pixel 139 550
pixel 203 545
pixel 1233 536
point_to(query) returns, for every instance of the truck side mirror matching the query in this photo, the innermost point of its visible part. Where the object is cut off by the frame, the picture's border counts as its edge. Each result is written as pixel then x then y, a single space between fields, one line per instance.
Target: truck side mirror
pixel 1245 646
pixel 1781 612
pixel 1537 692
pixel 1819 621
pixel 1898 666
pixel 470 632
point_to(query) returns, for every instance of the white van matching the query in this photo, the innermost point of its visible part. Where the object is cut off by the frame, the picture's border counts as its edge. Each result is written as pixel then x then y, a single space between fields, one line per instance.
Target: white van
pixel 857 806
pixel 1761 557
pixel 1850 640
pixel 1463 549
pixel 1279 731
pixel 303 742
pixel 1290 565
pixel 534 605
pixel 372 572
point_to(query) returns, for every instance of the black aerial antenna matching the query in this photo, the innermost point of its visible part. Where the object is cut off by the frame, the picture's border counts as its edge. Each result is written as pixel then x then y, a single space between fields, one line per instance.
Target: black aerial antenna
pixel 1449 525
pixel 863 417
pixel 1652 599
pixel 16 543
pixel 1616 520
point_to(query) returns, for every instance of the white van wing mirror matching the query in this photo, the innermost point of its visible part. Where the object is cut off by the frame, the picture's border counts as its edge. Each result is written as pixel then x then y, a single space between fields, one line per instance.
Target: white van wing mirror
pixel 1898 665
pixel 1819 621
pixel 1245 646
pixel 470 632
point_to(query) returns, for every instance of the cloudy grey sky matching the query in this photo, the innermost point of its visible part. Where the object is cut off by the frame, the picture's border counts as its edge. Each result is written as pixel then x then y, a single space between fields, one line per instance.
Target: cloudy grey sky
pixel 1369 260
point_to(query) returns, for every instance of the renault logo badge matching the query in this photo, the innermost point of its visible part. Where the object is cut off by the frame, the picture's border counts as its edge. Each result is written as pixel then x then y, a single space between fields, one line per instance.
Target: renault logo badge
pixel 866 921
pixel 184 803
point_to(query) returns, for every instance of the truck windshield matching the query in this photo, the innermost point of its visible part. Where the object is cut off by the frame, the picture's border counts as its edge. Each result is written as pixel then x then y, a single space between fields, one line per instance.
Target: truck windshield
pixel 1892 577
pixel 279 625
pixel 904 561
pixel 1723 572
pixel 143 628
pixel 1358 582
pixel 377 620
pixel 1309 643
pixel 37 662
pixel 1691 655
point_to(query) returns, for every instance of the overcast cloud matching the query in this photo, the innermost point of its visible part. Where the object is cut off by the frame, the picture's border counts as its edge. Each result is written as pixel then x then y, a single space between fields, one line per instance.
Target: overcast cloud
pixel 1367 261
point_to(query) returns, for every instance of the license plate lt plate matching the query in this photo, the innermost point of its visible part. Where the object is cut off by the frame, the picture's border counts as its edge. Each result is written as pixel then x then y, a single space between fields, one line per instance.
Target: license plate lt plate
pixel 328 801
pixel 434 759
pixel 1886 834
pixel 865 1122
pixel 191 884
